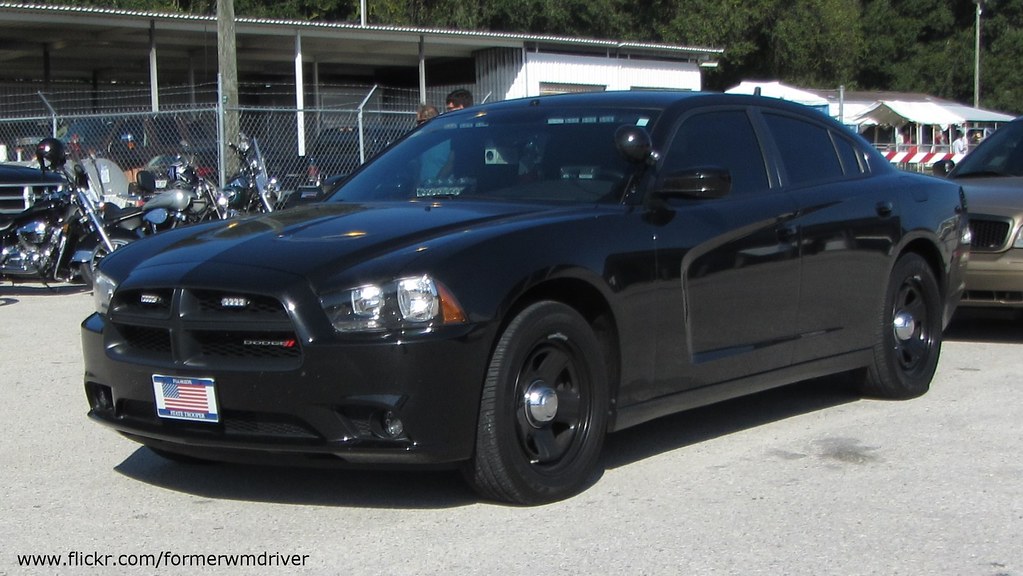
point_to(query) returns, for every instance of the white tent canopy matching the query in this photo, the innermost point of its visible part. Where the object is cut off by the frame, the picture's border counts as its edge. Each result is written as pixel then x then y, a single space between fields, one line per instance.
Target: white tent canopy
pixel 779 90
pixel 898 113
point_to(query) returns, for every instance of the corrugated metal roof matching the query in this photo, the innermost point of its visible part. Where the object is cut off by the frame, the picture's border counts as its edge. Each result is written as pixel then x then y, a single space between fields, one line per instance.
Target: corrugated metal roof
pixel 107 45
pixel 311 25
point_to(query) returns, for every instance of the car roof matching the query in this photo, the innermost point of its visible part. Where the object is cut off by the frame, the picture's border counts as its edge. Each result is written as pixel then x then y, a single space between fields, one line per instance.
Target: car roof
pixel 655 99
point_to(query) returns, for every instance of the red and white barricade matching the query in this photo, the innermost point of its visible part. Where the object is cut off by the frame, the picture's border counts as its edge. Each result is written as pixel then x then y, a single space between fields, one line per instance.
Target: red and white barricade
pixel 913 156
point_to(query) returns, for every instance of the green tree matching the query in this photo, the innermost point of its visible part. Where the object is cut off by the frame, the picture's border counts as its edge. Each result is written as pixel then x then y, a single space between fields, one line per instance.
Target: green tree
pixel 814 43
pixel 1001 79
pixel 586 18
pixel 808 42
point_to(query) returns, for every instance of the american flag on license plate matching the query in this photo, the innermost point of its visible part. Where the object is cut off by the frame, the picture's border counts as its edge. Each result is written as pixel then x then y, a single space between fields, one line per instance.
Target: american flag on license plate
pixel 185 398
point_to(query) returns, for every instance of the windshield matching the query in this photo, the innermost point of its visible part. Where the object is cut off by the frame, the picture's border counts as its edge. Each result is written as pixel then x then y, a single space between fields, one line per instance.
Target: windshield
pixel 1000 155
pixel 563 155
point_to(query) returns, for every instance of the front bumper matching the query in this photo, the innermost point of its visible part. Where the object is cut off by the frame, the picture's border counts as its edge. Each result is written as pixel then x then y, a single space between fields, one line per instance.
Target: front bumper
pixel 327 406
pixel 994 279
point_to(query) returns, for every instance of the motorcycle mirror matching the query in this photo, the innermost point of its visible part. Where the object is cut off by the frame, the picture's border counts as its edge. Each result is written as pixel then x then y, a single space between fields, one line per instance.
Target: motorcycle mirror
pixel 942 167
pixel 146 181
pixel 81 178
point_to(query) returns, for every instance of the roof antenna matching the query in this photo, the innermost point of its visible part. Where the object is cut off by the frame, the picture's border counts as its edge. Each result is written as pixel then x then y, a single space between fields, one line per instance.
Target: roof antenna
pixel 756 91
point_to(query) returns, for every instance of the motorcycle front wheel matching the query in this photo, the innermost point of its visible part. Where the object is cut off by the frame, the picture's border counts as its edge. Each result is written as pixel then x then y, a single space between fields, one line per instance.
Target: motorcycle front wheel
pixel 87 271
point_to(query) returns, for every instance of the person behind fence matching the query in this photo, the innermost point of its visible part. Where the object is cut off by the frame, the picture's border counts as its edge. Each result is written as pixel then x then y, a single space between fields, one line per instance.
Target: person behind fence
pixel 439 162
pixel 425 112
pixel 961 144
pixel 458 99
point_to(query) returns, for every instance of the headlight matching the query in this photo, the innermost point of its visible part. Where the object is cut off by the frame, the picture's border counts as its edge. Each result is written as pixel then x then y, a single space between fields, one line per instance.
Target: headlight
pixel 406 303
pixel 102 291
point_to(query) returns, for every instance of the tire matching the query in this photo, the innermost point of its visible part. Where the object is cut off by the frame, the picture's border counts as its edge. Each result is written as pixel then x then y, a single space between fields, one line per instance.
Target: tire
pixel 543 411
pixel 98 255
pixel 909 333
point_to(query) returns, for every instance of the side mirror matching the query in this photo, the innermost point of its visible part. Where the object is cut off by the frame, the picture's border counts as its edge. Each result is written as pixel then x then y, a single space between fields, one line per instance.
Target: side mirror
pixel 146 181
pixel 698 183
pixel 942 167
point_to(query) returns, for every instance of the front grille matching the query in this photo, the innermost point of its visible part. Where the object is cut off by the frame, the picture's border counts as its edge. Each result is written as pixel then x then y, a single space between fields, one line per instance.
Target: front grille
pixel 248 344
pixel 1007 297
pixel 232 423
pixel 146 339
pixel 989 235
pixel 155 303
pixel 202 328
pixel 17 197
pixel 262 425
pixel 212 303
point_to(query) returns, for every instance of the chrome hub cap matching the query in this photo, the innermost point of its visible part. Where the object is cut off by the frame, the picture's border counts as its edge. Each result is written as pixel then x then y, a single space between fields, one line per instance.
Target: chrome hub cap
pixel 541 404
pixel 905 326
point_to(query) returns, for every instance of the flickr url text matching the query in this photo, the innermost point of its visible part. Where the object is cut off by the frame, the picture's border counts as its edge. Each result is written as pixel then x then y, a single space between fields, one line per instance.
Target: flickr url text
pixel 163 559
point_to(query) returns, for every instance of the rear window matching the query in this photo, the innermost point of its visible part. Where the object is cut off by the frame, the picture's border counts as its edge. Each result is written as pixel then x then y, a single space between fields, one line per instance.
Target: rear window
pixel 807 150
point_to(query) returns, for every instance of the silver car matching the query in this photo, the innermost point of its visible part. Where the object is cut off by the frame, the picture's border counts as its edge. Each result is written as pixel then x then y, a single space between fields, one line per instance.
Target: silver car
pixel 992 179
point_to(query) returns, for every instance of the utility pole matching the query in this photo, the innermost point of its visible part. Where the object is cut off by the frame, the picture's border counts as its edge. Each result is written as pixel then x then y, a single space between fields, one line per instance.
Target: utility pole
pixel 976 57
pixel 228 66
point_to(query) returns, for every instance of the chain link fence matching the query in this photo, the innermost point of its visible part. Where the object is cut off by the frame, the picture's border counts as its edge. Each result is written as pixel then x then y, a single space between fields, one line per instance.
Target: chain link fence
pixel 349 126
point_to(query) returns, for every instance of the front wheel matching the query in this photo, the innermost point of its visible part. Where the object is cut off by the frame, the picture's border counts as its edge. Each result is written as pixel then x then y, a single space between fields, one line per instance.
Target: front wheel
pixel 543 412
pixel 88 269
pixel 908 333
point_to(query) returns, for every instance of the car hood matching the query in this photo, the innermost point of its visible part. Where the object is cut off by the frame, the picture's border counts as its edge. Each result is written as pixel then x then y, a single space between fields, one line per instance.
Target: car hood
pixel 319 238
pixel 993 195
pixel 25 172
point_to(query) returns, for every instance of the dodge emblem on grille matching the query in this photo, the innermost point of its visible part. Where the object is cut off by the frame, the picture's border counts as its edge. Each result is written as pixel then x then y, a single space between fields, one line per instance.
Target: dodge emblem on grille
pixel 286 343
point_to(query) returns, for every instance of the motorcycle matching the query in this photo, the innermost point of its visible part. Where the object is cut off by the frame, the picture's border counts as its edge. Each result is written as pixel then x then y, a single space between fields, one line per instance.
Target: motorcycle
pixel 251 189
pixel 64 234
pixel 188 197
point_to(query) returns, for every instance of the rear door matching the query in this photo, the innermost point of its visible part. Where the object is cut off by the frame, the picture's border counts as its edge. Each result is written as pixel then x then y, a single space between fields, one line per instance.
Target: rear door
pixel 848 224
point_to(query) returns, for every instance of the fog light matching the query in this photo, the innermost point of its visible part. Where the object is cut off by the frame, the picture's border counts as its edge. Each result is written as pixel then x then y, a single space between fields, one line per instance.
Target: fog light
pixel 101 397
pixel 393 426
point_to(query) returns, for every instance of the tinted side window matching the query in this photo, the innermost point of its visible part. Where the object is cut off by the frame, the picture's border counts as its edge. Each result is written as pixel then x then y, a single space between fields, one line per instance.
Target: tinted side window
pixel 807 151
pixel 723 139
pixel 848 154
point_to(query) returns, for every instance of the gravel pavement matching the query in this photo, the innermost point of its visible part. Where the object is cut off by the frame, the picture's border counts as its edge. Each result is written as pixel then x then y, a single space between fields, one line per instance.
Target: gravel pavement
pixel 809 479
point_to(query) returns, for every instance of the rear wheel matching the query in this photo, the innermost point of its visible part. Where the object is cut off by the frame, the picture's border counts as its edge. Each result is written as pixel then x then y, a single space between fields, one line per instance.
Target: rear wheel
pixel 909 333
pixel 543 413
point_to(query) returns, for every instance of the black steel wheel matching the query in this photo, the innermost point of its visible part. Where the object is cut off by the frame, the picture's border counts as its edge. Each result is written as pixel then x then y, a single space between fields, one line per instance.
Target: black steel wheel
pixel 543 412
pixel 909 333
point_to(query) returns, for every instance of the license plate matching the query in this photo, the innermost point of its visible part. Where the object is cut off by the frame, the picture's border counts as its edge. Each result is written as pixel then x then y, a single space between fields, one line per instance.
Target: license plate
pixel 182 398
pixel 161 184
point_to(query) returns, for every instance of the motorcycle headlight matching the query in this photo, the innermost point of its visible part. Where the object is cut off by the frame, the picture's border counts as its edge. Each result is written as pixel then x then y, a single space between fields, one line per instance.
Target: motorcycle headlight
pixel 406 303
pixel 103 288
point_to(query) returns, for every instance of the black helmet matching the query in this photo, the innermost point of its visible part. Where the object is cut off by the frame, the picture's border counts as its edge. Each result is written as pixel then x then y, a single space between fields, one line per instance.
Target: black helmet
pixel 51 154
